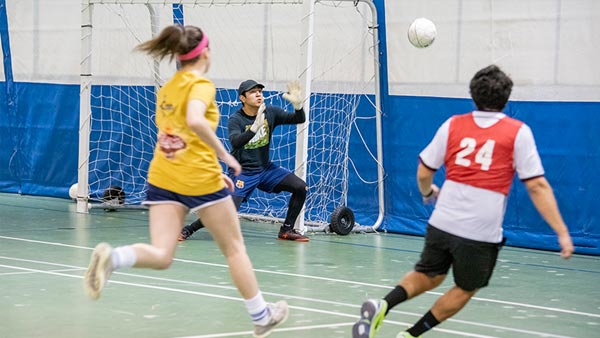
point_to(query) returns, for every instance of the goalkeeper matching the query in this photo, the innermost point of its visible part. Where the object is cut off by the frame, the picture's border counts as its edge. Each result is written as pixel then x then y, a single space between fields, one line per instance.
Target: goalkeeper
pixel 250 129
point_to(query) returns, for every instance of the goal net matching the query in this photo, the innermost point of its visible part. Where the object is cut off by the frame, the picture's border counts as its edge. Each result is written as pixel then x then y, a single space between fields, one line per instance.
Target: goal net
pixel 269 41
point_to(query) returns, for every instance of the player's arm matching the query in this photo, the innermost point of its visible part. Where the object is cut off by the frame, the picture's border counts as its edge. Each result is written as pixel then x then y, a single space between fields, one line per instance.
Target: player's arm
pixel 531 172
pixel 429 191
pixel 544 201
pixel 430 159
pixel 425 179
pixel 239 136
pixel 283 117
pixel 197 122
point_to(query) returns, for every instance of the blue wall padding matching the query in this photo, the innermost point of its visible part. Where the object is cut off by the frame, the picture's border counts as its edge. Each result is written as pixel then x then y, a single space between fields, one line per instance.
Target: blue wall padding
pixel 40 148
pixel 40 142
pixel 362 197
pixel 9 142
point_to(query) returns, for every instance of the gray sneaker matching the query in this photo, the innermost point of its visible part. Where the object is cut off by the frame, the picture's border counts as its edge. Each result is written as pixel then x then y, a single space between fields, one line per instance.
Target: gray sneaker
pixel 98 271
pixel 279 313
pixel 372 313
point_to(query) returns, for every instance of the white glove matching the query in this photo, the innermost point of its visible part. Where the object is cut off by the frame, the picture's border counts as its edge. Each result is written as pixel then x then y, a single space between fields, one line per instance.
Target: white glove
pixel 431 198
pixel 294 95
pixel 260 118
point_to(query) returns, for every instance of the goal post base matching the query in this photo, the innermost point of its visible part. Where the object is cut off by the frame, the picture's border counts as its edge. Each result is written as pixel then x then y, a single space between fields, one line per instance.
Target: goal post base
pixel 312 227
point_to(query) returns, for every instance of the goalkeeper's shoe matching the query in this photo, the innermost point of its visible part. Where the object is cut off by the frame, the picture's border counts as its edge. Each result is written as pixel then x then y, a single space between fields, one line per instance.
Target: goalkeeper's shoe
pixel 278 312
pixel 98 271
pixel 405 334
pixel 292 235
pixel 372 313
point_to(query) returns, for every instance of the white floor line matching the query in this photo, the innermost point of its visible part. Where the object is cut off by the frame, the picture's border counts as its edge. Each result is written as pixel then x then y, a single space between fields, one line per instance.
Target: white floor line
pixel 545 308
pixel 162 288
pixel 305 328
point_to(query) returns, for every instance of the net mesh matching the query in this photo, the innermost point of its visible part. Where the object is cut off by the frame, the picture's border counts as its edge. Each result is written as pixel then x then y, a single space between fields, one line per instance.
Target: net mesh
pixel 262 42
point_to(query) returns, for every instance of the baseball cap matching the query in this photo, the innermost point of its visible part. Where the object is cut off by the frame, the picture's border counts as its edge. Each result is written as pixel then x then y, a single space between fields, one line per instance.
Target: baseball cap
pixel 247 85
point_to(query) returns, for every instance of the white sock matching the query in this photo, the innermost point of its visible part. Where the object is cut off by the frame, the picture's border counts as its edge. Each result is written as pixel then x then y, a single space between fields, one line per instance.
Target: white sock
pixel 257 308
pixel 123 257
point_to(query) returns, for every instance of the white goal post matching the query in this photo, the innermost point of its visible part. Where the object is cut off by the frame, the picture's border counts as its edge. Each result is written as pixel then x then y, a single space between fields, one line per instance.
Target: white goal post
pixel 331 46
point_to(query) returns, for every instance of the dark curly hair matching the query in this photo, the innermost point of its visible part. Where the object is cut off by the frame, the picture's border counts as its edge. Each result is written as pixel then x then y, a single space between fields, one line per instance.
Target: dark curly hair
pixel 490 89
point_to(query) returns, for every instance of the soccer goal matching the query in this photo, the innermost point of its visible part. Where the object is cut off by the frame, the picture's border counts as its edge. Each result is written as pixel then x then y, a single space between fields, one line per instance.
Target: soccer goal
pixel 329 46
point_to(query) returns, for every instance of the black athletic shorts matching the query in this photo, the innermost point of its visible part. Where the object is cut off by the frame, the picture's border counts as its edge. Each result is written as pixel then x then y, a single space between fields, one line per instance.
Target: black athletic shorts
pixel 472 261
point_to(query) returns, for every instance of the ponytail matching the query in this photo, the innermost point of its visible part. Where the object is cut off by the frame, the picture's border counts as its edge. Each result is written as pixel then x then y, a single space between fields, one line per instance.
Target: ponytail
pixel 172 41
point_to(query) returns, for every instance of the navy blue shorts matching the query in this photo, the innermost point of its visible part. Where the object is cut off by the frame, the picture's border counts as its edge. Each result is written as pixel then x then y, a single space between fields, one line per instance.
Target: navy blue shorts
pixel 265 180
pixel 472 261
pixel 156 195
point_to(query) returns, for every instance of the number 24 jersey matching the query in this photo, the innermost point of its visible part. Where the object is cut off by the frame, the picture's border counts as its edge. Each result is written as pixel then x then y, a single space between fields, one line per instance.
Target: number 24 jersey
pixel 481 152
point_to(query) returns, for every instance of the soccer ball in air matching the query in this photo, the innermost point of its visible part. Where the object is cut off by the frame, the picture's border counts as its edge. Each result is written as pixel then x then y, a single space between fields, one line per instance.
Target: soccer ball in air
pixel 421 33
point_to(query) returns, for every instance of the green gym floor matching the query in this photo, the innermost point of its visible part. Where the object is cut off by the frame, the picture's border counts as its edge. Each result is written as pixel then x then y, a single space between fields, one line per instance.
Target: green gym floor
pixel 45 248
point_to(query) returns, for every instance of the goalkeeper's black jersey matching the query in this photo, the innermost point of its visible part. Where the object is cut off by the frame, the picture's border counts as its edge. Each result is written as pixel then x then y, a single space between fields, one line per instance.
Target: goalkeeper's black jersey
pixel 252 149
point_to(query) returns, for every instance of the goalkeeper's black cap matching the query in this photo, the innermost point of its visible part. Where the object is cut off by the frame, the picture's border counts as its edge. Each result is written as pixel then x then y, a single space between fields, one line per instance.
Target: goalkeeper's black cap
pixel 247 85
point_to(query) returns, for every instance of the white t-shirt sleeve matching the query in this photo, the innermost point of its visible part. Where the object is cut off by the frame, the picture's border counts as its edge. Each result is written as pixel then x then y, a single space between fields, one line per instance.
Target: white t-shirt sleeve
pixel 526 158
pixel 433 155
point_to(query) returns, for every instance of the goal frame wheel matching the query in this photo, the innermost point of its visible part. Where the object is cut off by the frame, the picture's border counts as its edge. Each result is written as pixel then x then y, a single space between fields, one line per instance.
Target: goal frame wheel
pixel 342 220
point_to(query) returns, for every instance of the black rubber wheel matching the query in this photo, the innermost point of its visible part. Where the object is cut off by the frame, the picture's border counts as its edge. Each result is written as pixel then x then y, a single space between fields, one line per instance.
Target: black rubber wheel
pixel 342 220
pixel 113 196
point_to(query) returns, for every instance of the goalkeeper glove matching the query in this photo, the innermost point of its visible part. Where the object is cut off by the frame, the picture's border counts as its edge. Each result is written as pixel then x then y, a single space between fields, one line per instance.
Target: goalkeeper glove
pixel 294 95
pixel 260 119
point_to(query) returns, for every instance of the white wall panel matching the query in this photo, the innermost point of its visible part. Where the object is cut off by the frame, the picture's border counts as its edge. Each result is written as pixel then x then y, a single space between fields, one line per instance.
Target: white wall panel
pixel 549 47
pixel 44 40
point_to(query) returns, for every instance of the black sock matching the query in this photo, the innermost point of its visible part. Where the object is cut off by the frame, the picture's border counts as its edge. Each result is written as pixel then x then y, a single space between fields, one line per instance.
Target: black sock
pixel 286 228
pixel 395 297
pixel 195 226
pixel 426 323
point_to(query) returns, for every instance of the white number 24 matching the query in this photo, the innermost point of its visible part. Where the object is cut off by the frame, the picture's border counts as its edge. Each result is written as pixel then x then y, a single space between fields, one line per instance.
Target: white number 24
pixel 483 156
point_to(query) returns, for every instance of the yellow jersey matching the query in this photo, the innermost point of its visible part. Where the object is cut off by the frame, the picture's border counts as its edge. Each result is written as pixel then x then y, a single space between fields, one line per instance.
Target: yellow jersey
pixel 182 162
